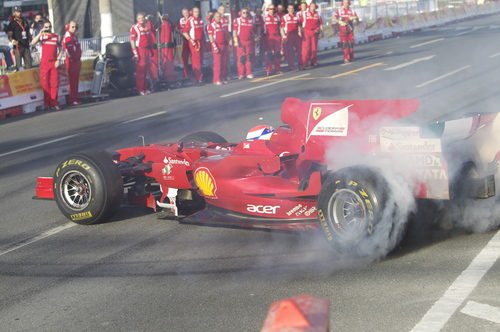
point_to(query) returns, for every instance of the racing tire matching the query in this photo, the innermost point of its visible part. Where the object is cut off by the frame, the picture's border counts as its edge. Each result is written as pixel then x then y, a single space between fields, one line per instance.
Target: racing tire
pixel 203 137
pixel 88 187
pixel 119 50
pixel 355 215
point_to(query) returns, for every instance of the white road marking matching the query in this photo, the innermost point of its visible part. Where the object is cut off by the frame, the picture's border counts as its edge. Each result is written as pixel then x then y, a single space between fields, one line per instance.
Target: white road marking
pixel 462 33
pixel 36 238
pixel 263 86
pixel 38 145
pixel 494 26
pixel 494 55
pixel 409 63
pixel 443 76
pixel 439 314
pixel 483 311
pixel 144 117
pixel 427 43
pixel 461 28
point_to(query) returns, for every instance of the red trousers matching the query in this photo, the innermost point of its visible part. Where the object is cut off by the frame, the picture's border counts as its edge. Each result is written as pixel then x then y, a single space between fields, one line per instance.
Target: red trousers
pixel 245 53
pixel 73 68
pixel 49 80
pixel 167 64
pixel 221 62
pixel 309 47
pixel 293 49
pixel 142 68
pixel 153 69
pixel 186 52
pixel 347 40
pixel 273 53
pixel 197 61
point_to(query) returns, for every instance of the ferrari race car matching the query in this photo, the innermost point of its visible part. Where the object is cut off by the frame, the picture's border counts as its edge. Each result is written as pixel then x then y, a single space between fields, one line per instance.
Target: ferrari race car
pixel 351 168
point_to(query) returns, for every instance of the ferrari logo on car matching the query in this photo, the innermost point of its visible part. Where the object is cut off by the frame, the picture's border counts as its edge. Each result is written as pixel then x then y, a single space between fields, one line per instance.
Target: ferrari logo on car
pixel 205 182
pixel 316 113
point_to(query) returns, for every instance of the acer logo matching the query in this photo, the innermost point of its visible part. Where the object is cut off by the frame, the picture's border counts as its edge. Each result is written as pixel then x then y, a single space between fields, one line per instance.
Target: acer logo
pixel 262 209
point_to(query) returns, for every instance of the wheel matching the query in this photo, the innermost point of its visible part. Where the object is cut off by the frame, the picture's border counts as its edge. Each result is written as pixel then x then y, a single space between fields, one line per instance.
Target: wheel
pixel 125 65
pixel 203 137
pixel 119 50
pixel 359 215
pixel 88 187
pixel 122 81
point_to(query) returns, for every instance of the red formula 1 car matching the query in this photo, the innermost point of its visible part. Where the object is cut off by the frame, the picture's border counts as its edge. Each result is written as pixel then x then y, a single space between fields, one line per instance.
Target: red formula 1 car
pixel 342 166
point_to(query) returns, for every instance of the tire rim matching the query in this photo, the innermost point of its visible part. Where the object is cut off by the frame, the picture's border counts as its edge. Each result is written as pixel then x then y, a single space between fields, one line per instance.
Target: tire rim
pixel 75 190
pixel 348 214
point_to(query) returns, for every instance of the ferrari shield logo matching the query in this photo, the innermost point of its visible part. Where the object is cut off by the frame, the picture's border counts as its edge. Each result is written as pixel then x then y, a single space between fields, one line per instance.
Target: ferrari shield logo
pixel 316 113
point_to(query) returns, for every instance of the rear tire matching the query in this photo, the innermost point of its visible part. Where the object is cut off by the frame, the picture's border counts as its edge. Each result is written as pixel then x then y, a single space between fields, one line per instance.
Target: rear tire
pixel 203 137
pixel 119 50
pixel 88 187
pixel 356 216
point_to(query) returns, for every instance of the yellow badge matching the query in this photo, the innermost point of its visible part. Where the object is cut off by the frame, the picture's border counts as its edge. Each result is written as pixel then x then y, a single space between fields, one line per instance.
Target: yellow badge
pixel 316 113
pixel 205 182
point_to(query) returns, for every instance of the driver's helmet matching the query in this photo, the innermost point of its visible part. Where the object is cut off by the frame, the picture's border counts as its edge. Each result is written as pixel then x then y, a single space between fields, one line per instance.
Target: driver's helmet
pixel 263 132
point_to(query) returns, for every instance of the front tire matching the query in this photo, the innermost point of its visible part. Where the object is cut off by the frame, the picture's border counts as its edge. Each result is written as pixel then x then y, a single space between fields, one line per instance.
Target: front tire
pixel 88 187
pixel 203 137
pixel 356 215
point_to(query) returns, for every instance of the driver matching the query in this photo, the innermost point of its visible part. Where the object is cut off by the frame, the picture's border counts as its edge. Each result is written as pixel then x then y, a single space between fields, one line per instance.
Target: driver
pixel 263 132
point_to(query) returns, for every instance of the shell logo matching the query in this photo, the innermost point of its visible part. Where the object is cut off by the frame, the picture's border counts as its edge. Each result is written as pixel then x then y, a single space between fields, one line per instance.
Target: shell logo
pixel 205 182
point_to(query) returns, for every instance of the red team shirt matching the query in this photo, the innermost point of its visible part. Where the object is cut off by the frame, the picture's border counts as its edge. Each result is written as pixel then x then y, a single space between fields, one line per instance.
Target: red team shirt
pixel 311 21
pixel 272 25
pixel 244 27
pixel 72 46
pixel 50 43
pixel 194 27
pixel 290 23
pixel 259 22
pixel 141 35
pixel 166 32
pixel 218 32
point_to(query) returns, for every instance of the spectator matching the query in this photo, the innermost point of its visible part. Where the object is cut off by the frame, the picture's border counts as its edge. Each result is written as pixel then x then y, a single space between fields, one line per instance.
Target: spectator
pixel 37 25
pixel 49 64
pixel 18 33
pixel 186 53
pixel 219 39
pixel 141 41
pixel 244 41
pixel 312 26
pixel 73 51
pixel 6 55
pixel 194 32
pixel 167 49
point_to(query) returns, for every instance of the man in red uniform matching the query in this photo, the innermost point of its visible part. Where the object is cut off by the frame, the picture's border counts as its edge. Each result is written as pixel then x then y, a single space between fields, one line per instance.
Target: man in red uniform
pixel 291 38
pixel 244 41
pixel 141 41
pixel 272 41
pixel 302 9
pixel 259 30
pixel 280 10
pixel 346 17
pixel 49 64
pixel 186 53
pixel 73 52
pixel 219 41
pixel 228 28
pixel 167 49
pixel 154 67
pixel 312 26
pixel 194 33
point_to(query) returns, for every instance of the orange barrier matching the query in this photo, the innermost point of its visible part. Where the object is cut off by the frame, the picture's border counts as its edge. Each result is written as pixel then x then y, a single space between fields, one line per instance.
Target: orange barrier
pixel 298 313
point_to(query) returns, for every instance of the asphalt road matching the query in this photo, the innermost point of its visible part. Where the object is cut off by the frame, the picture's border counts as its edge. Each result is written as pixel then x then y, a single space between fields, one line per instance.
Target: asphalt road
pixel 141 273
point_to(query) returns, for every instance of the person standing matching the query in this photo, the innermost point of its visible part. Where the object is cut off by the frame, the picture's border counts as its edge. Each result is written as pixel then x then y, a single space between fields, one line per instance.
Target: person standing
pixel 244 41
pixel 291 38
pixel 49 64
pixel 312 26
pixel 19 34
pixel 154 67
pixel 280 11
pixel 186 53
pixel 345 18
pixel 194 33
pixel 37 25
pixel 73 52
pixel 272 41
pixel 219 40
pixel 141 42
pixel 259 42
pixel 167 49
